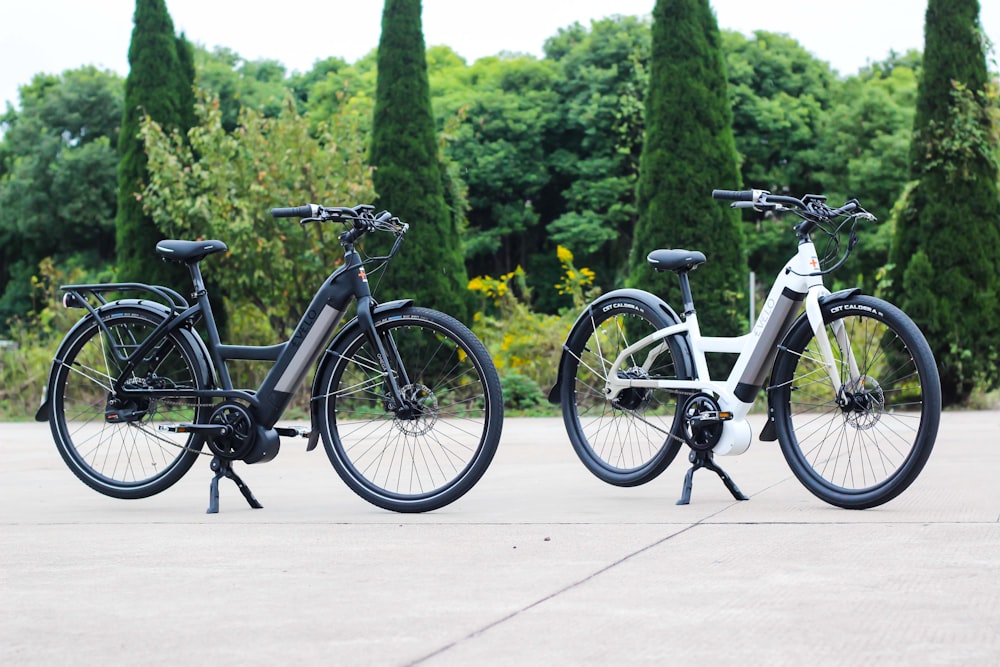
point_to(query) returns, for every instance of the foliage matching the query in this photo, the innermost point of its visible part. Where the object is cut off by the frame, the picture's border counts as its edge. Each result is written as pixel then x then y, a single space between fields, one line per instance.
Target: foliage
pixel 947 240
pixel 525 344
pixel 159 86
pixel 503 106
pixel 599 134
pixel 239 83
pixel 26 356
pixel 57 178
pixel 688 151
pixel 408 174
pixel 779 95
pixel 214 184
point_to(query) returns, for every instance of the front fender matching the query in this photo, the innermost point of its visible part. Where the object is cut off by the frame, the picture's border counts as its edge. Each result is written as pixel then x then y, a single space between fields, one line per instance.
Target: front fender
pixel 349 329
pixel 649 300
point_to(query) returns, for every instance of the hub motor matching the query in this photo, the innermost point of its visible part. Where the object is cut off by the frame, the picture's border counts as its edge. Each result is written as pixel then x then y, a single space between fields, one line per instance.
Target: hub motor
pixel 633 398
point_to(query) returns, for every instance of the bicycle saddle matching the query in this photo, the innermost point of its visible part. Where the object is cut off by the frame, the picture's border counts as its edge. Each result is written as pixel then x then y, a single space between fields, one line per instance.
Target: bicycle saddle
pixel 188 252
pixel 680 261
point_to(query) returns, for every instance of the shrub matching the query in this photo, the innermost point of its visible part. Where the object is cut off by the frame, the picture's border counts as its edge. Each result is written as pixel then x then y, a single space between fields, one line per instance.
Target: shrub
pixel 526 345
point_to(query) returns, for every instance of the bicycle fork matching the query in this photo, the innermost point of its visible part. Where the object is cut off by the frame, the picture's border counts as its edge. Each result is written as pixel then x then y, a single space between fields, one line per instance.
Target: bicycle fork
pixel 388 359
pixel 815 315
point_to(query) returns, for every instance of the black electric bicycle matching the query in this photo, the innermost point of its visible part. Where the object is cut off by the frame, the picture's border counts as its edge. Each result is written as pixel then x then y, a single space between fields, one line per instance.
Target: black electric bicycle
pixel 406 400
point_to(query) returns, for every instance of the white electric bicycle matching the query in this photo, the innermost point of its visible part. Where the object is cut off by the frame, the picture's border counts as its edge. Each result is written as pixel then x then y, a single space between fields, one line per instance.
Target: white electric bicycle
pixel 854 397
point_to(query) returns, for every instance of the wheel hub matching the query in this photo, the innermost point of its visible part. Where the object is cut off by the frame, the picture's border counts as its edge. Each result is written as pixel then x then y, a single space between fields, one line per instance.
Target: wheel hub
pixel 420 409
pixel 862 402
pixel 633 398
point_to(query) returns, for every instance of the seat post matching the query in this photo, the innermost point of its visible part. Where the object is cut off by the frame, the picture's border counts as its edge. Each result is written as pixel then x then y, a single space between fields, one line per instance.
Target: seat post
pixel 196 280
pixel 682 277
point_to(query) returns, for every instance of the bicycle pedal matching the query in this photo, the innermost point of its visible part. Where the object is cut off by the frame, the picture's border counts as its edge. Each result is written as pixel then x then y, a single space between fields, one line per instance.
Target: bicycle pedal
pixel 217 430
pixel 712 417
pixel 293 431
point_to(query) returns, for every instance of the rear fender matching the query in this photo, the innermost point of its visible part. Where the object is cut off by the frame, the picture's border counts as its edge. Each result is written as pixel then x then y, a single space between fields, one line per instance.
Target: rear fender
pixel 648 300
pixel 154 309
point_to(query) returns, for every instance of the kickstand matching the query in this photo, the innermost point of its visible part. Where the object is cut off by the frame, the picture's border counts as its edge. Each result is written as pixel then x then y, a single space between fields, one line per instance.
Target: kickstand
pixel 704 459
pixel 224 468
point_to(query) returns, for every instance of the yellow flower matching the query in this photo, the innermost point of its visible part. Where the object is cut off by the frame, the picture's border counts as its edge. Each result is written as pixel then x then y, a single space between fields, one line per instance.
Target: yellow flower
pixel 564 255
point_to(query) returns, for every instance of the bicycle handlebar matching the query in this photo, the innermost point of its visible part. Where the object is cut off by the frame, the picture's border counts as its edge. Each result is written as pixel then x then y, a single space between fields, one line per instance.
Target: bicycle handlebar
pixel 360 217
pixel 812 209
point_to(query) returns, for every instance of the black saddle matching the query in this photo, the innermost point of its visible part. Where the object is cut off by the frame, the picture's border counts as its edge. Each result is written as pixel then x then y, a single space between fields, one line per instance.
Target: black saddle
pixel 679 261
pixel 188 252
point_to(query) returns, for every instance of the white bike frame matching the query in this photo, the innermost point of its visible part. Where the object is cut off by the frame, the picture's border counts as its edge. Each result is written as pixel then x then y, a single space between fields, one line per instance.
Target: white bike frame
pixel 798 281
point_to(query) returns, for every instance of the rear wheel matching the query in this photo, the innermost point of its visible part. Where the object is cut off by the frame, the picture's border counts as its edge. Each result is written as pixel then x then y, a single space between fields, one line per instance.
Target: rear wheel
pixel 112 443
pixel 630 440
pixel 864 444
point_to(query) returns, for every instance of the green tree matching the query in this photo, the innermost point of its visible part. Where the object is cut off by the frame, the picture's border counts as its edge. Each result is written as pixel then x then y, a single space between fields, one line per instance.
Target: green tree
pixel 158 85
pixel 597 140
pixel 220 184
pixel 779 94
pixel 861 144
pixel 947 238
pixel 688 151
pixel 57 179
pixel 502 107
pixel 260 85
pixel 408 175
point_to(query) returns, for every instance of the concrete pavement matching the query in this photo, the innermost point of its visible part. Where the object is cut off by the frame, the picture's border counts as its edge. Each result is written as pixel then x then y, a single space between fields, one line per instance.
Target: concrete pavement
pixel 540 564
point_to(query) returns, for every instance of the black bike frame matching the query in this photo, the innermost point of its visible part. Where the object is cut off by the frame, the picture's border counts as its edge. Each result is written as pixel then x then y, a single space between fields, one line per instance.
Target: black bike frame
pixel 292 359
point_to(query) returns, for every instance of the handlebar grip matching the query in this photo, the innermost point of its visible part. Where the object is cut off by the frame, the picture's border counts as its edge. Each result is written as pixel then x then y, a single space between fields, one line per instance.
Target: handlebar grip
pixel 847 208
pixel 307 211
pixel 733 195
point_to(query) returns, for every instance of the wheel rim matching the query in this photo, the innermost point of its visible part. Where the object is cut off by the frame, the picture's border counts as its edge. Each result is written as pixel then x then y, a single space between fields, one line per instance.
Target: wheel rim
pixel 131 453
pixel 432 449
pixel 627 434
pixel 861 438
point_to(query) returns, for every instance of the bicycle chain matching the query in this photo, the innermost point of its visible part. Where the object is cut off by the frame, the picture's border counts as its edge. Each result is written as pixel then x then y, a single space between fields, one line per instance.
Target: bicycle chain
pixel 157 436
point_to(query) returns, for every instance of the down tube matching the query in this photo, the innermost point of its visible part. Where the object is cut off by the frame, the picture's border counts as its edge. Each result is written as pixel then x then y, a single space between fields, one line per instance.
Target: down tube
pixel 780 312
pixel 303 349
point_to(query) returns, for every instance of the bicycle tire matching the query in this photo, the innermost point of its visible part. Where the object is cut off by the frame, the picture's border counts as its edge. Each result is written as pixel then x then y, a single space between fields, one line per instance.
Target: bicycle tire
pixel 632 440
pixel 129 459
pixel 433 459
pixel 868 448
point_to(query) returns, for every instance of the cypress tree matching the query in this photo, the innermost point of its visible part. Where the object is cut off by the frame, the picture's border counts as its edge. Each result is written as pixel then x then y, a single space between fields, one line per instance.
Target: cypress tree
pixel 947 237
pixel 408 174
pixel 688 150
pixel 158 84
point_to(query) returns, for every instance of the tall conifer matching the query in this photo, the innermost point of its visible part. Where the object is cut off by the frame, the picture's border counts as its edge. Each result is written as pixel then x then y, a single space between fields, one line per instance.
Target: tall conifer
pixel 159 84
pixel 946 250
pixel 408 175
pixel 688 150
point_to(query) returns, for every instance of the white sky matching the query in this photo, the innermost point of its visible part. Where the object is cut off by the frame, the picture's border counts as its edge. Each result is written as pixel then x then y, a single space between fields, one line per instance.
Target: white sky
pixel 55 35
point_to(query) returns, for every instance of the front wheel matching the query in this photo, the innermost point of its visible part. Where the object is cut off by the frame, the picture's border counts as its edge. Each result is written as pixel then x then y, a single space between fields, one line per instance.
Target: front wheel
pixel 861 444
pixel 431 452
